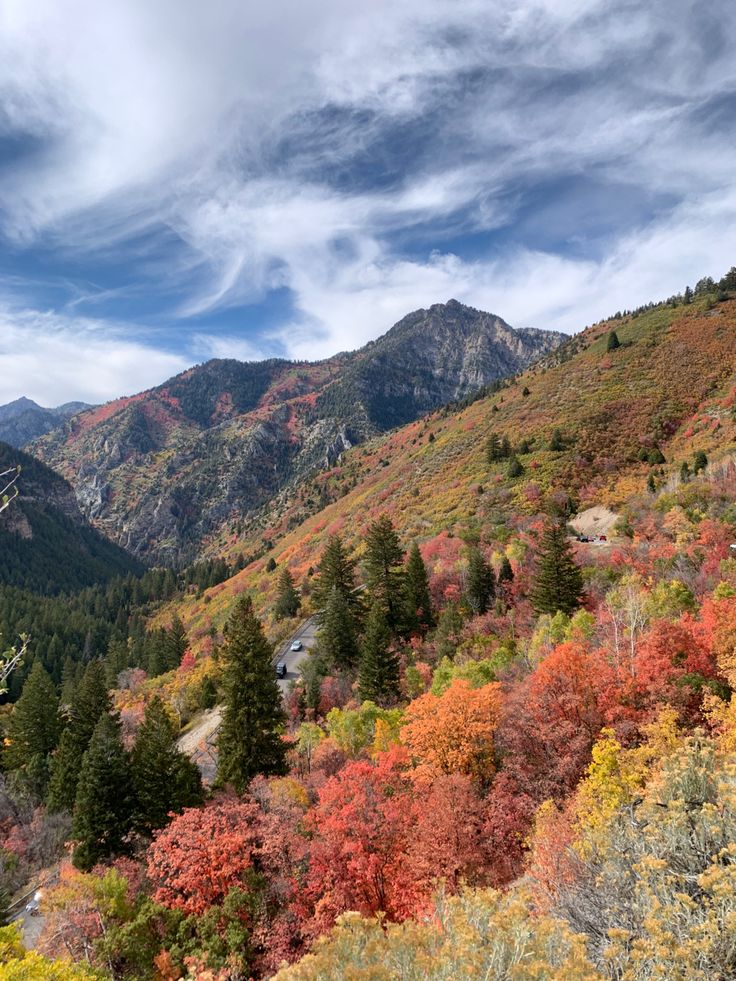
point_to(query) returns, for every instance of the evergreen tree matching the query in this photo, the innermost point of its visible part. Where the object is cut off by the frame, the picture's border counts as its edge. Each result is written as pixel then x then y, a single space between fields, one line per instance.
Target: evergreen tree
pixel 33 731
pixel 505 448
pixel 523 448
pixel 493 448
pixel 164 779
pixel 700 461
pixel 480 587
pixel 613 341
pixel 378 678
pixel 688 295
pixel 505 572
pixel 104 805
pixel 525 391
pixel 176 644
pixel 91 702
pixel 557 444
pixel 559 582
pixel 418 614
pixel 651 485
pixel 684 472
pixel 287 601
pixel 383 563
pixel 515 468
pixel 207 693
pixel 335 571
pixel 253 719
pixel 338 636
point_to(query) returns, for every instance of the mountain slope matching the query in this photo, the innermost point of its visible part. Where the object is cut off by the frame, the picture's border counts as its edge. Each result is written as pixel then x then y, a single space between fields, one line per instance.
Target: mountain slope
pixel 165 470
pixel 671 387
pixel 24 420
pixel 46 545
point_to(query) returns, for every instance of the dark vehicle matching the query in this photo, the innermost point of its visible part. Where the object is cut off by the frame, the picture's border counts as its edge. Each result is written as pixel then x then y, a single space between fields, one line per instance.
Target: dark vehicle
pixel 281 669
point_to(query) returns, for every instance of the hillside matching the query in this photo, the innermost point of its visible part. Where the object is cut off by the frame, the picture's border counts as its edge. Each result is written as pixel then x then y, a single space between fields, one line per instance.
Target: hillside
pixel 670 386
pixel 46 545
pixel 162 471
pixel 24 420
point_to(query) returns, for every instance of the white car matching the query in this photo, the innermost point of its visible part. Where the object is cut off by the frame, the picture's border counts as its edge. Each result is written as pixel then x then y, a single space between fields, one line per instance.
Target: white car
pixel 296 646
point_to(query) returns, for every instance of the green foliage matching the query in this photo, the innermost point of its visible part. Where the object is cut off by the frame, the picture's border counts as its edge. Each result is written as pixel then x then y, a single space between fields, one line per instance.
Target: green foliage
pixel 354 730
pixel 338 638
pixel 418 615
pixel 287 600
pixel 613 342
pixel 164 779
pixel 476 673
pixel 383 562
pixel 515 468
pixel 700 461
pixel 378 678
pixel 33 731
pixel 558 584
pixel 104 805
pixel 335 571
pixel 480 585
pixel 249 742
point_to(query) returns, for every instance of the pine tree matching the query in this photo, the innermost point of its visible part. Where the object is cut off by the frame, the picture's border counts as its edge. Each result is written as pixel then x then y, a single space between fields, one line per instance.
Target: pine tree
pixel 613 341
pixel 176 644
pixel 335 571
pixel 505 448
pixel 480 587
pixel 91 702
pixel 559 582
pixel 378 678
pixel 104 805
pixel 700 461
pixel 684 472
pixel 418 614
pixel 253 719
pixel 164 779
pixel 505 572
pixel 493 448
pixel 383 564
pixel 515 468
pixel 688 295
pixel 557 443
pixel 33 730
pixel 338 636
pixel 287 601
pixel 651 485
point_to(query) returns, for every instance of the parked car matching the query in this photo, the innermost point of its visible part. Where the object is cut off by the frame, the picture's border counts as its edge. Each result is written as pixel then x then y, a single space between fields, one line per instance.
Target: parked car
pixel 281 669
pixel 604 538
pixel 296 646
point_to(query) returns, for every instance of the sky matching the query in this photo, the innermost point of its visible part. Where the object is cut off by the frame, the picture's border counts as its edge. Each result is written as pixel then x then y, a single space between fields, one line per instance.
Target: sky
pixel 182 179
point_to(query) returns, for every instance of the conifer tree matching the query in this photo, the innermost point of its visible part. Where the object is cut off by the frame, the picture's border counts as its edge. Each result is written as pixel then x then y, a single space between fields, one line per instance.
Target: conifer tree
pixel 418 614
pixel 700 461
pixel 175 645
pixel 383 563
pixel 33 730
pixel 338 636
pixel 104 805
pixel 378 678
pixel 515 468
pixel 651 484
pixel 557 443
pixel 505 572
pixel 91 702
pixel 164 778
pixel 613 341
pixel 287 601
pixel 480 587
pixel 505 448
pixel 335 571
pixel 493 448
pixel 684 472
pixel 558 585
pixel 253 719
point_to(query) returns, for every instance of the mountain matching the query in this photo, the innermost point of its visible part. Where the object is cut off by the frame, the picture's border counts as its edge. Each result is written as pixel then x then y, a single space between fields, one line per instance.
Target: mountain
pixel 24 420
pixel 669 389
pixel 46 545
pixel 164 471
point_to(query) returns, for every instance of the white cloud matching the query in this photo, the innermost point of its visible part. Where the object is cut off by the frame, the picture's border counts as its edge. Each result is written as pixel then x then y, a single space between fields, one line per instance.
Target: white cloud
pixel 53 360
pixel 257 134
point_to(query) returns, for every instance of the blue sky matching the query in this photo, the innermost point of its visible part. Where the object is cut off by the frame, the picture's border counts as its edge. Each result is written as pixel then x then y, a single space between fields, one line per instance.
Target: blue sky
pixel 185 180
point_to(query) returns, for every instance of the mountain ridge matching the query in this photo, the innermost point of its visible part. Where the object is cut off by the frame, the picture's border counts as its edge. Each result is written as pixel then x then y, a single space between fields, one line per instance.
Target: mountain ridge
pixel 24 420
pixel 160 471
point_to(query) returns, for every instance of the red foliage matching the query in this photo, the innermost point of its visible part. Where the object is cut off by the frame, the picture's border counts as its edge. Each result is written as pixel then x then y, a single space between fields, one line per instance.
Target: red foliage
pixel 195 861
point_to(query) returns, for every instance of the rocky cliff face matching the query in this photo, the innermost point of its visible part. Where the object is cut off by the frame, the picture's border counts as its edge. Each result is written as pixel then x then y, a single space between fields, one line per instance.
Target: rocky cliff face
pixel 161 471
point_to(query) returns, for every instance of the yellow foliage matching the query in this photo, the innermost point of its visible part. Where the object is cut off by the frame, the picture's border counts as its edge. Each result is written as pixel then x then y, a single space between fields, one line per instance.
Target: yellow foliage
pixel 18 964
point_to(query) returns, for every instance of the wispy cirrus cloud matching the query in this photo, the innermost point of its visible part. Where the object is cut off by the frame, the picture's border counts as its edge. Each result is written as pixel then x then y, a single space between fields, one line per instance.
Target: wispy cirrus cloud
pixel 181 167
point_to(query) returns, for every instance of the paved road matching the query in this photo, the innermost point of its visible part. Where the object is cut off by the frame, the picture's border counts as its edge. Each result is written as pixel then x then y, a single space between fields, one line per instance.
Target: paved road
pixel 307 635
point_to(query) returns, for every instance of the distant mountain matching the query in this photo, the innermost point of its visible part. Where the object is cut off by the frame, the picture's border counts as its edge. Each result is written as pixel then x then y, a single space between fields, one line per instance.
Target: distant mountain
pixel 46 544
pixel 162 471
pixel 24 420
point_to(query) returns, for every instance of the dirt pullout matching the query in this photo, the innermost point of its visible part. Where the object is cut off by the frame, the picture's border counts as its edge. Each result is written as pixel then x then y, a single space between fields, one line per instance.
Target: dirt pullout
pixel 199 742
pixel 594 521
